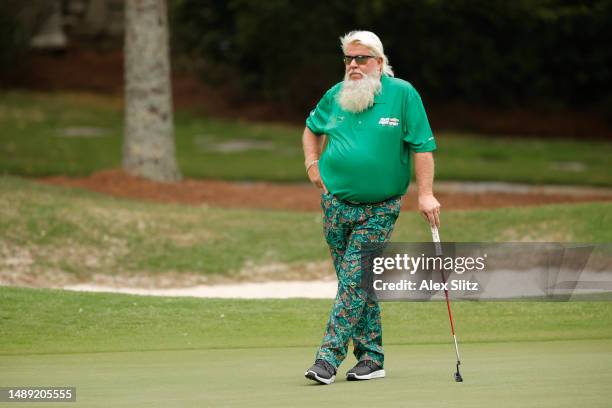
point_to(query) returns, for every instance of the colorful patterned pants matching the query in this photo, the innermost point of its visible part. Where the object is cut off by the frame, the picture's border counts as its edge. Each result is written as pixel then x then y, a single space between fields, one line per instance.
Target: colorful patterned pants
pixel 354 315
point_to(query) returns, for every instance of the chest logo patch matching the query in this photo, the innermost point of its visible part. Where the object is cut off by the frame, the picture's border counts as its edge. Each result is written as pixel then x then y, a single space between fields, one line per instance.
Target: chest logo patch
pixel 388 122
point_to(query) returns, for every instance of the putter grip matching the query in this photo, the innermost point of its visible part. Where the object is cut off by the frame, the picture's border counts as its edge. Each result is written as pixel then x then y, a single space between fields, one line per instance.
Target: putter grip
pixel 435 236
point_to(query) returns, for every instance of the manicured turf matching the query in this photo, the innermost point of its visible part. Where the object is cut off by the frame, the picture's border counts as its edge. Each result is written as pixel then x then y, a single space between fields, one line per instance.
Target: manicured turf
pixel 121 350
pixel 76 134
pixel 81 233
pixel 550 374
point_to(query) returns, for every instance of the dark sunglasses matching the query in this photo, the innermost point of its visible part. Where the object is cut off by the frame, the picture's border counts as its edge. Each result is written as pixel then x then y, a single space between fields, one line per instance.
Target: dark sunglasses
pixel 359 59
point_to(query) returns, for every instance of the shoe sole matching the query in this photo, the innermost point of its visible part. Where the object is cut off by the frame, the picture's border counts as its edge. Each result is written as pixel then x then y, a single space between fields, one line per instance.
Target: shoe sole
pixel 371 376
pixel 311 375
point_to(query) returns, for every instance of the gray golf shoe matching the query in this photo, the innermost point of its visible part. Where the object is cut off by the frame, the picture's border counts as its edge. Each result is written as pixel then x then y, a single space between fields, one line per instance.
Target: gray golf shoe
pixel 321 372
pixel 365 370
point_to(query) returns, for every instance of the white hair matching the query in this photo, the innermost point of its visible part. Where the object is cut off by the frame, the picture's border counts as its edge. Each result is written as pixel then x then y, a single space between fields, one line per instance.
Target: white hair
pixel 370 40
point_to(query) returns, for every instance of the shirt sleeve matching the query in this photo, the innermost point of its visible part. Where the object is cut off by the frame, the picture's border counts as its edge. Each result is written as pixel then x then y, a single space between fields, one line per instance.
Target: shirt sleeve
pixel 417 132
pixel 317 120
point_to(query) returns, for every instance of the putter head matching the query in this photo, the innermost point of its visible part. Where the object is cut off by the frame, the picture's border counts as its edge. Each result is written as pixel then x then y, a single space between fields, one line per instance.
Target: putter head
pixel 458 377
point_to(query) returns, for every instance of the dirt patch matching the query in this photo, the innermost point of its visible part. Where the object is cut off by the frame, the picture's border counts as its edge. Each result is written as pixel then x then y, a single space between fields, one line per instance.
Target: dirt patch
pixel 297 197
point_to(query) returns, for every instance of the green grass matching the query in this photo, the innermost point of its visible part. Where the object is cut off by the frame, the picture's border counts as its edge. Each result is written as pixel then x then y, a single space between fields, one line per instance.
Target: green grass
pixel 122 350
pixel 35 321
pixel 533 375
pixel 34 142
pixel 81 233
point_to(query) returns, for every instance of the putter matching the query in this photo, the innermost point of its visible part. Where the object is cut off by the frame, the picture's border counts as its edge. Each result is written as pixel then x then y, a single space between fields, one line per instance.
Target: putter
pixel 438 247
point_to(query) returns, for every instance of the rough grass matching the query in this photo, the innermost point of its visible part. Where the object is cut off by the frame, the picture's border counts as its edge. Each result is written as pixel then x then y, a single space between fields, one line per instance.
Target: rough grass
pixel 57 321
pixel 71 235
pixel 77 134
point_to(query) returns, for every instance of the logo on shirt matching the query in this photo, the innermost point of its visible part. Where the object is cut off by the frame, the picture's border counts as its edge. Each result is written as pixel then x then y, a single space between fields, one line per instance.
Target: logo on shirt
pixel 388 122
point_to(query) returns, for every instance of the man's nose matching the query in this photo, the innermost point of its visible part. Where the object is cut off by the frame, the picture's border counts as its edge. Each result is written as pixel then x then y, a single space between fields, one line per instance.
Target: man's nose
pixel 353 63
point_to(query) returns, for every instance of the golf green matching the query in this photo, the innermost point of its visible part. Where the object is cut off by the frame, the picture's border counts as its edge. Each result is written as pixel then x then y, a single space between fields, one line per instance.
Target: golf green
pixel 519 374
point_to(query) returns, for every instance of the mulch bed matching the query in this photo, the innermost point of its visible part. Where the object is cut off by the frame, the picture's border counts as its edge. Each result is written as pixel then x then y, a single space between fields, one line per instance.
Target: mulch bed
pixel 278 196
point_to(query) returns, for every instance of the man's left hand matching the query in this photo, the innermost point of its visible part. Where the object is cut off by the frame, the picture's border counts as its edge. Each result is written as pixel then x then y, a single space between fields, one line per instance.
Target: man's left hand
pixel 430 208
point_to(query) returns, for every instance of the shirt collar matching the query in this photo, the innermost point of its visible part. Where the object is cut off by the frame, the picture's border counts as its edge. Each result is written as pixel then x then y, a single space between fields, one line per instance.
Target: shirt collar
pixel 381 97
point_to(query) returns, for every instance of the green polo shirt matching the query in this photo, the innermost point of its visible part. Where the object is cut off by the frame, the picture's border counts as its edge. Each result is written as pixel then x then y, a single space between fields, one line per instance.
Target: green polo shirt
pixel 367 158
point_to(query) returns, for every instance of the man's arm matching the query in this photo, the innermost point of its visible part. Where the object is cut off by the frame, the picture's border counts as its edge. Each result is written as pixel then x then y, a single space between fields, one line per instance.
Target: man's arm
pixel 424 173
pixel 312 145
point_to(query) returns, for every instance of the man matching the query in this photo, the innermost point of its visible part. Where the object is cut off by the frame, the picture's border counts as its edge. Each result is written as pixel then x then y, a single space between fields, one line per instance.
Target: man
pixel 373 122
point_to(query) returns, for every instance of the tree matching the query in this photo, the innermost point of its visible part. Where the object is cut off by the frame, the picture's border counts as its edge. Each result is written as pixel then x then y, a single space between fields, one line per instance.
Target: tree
pixel 148 146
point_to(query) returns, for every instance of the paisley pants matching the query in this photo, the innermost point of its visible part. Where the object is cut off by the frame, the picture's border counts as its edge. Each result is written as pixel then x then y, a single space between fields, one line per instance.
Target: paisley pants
pixel 354 315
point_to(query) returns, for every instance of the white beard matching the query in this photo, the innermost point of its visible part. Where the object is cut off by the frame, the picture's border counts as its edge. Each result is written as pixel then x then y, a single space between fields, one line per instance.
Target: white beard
pixel 358 95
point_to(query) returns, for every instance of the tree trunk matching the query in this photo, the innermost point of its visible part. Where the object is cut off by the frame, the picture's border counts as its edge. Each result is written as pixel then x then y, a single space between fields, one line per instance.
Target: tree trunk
pixel 148 145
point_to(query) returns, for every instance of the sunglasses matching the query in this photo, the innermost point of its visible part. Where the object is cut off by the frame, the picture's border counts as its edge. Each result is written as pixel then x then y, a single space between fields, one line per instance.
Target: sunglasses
pixel 359 59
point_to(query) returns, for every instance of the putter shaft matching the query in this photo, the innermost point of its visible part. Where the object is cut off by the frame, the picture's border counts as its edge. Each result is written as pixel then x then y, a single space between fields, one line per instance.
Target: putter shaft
pixel 438 249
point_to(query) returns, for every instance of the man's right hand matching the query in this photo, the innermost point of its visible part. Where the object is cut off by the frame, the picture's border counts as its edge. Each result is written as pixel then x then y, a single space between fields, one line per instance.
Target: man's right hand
pixel 315 177
pixel 313 145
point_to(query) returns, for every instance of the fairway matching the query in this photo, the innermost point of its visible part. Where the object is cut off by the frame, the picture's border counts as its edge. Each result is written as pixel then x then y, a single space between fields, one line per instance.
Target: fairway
pixel 522 374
